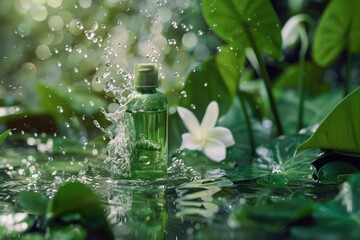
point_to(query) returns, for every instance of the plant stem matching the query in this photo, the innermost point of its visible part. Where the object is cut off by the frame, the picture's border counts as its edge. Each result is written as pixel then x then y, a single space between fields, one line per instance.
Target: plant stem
pixel 266 78
pixel 303 49
pixel 247 121
pixel 347 84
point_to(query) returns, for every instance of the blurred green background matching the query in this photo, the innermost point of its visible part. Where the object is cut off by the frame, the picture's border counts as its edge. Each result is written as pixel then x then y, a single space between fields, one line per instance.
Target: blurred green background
pixel 58 56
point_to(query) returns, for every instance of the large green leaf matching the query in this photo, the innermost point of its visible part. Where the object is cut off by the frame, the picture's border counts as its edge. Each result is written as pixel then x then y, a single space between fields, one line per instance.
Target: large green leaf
pixel 234 20
pixel 341 129
pixel 339 27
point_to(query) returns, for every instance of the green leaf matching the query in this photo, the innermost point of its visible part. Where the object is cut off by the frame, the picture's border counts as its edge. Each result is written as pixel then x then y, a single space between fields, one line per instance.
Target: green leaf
pixel 338 28
pixel 77 198
pixel 272 217
pixel 32 202
pixel 63 104
pixel 277 159
pixel 230 62
pixel 234 20
pixel 313 82
pixel 4 135
pixel 341 129
pixel 330 172
pixel 205 78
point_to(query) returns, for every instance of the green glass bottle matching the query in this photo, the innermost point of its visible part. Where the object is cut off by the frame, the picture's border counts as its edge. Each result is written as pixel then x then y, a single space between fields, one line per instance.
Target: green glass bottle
pixel 147 113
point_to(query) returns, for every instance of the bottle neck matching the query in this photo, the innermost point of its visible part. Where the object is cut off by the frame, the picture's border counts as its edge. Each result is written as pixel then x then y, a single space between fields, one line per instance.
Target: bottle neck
pixel 146 89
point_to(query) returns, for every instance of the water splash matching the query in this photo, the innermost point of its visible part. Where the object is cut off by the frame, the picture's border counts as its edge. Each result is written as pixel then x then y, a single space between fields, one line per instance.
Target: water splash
pixel 121 137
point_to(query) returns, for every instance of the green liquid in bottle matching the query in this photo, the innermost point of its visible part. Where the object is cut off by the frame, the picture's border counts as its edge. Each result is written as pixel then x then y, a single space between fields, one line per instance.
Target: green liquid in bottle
pixel 148 119
pixel 150 148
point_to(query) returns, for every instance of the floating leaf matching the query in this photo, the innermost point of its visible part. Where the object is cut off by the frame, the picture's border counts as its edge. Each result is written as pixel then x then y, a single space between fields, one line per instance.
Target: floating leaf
pixel 341 129
pixel 330 172
pixel 277 159
pixel 235 21
pixel 338 28
pixel 74 198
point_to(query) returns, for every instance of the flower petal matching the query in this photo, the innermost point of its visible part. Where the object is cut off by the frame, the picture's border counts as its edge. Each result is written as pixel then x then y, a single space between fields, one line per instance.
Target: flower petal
pixel 211 115
pixel 222 134
pixel 190 120
pixel 215 150
pixel 189 142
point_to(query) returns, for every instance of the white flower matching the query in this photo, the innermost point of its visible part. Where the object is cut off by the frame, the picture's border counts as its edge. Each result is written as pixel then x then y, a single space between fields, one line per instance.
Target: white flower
pixel 211 140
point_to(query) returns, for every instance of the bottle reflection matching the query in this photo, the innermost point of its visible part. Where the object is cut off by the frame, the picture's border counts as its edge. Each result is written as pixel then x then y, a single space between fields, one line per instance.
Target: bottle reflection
pixel 139 213
pixel 148 213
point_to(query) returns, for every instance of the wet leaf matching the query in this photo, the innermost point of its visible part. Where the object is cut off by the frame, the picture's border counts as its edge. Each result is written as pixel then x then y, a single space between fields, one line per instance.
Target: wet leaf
pixel 338 218
pixel 234 21
pixel 277 159
pixel 77 198
pixel 338 28
pixel 33 202
pixel 273 217
pixel 330 172
pixel 4 135
pixel 341 129
pixel 219 77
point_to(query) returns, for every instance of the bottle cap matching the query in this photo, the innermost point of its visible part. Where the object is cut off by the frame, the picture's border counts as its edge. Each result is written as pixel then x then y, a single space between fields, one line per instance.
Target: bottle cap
pixel 146 75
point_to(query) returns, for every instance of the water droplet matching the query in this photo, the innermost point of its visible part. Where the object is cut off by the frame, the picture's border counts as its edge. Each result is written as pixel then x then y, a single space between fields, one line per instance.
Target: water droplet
pixel 94 27
pixel 68 48
pixel 174 24
pixel 183 94
pixel 90 35
pixel 80 25
pixel 205 84
pixel 176 74
pixel 60 109
pixel 200 33
pixel 192 106
pixel 172 41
